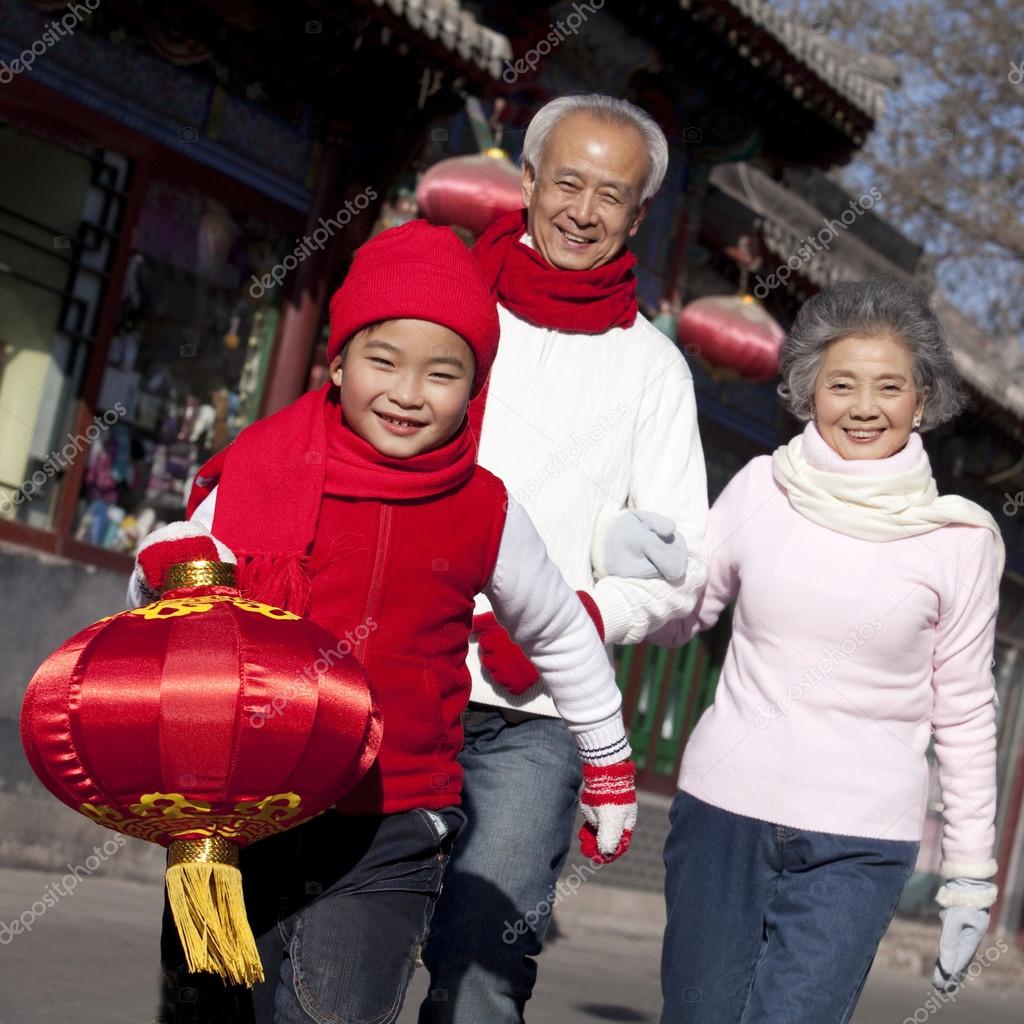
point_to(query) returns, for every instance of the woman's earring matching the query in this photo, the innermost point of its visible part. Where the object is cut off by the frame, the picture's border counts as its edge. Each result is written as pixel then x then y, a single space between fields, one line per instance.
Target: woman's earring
pixel 917 419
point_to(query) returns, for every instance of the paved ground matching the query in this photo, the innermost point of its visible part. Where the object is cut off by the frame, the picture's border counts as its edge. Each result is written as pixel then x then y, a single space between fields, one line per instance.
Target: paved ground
pixel 91 958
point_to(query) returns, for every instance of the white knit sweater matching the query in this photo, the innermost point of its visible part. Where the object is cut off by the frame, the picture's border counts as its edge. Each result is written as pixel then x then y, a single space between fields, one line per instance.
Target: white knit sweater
pixel 579 426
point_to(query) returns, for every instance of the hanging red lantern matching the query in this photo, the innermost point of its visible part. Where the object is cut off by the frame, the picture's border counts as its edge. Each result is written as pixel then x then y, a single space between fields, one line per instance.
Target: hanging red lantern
pixel 175 47
pixel 733 331
pixel 202 722
pixel 470 191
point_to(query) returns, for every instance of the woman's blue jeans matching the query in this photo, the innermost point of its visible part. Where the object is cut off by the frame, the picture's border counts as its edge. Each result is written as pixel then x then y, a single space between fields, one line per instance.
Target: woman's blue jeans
pixel 769 924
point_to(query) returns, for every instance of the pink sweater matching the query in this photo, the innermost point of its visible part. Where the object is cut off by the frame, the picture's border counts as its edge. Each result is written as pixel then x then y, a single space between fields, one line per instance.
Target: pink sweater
pixel 846 656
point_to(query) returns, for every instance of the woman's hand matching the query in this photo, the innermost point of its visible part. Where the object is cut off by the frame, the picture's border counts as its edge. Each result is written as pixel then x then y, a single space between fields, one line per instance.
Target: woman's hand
pixel 965 919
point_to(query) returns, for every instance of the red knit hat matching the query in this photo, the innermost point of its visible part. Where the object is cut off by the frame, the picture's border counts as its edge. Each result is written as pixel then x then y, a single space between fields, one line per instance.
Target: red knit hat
pixel 417 272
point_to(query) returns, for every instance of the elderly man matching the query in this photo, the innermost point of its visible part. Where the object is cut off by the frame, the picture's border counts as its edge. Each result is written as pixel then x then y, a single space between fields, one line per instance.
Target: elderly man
pixel 589 410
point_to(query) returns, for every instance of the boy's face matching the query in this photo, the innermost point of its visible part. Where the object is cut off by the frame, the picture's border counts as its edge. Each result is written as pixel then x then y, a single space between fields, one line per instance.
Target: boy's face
pixel 405 385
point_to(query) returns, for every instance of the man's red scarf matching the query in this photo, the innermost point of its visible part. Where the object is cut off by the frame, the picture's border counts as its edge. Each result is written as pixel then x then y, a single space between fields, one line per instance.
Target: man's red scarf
pixel 574 301
pixel 271 479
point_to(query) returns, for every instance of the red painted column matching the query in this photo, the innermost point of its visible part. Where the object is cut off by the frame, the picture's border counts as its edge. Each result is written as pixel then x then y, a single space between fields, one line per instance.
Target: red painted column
pixel 303 309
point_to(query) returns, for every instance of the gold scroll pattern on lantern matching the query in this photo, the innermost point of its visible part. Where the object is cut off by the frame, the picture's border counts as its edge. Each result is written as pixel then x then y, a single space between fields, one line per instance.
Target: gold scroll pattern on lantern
pixel 160 817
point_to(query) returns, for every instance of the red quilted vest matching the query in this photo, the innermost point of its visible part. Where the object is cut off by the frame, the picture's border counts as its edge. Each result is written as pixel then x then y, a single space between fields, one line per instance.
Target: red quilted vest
pixel 395 582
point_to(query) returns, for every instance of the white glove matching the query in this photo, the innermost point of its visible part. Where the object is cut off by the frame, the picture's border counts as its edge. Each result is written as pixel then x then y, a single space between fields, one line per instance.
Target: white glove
pixel 965 920
pixel 641 545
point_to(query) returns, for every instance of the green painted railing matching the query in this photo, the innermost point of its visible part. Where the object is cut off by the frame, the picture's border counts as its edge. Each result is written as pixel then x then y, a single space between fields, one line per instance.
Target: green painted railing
pixel 664 693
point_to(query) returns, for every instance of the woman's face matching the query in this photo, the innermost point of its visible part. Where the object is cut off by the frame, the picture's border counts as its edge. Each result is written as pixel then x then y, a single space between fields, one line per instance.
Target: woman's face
pixel 865 402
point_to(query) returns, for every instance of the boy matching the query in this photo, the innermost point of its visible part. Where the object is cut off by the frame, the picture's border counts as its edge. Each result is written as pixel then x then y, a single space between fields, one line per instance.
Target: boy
pixel 361 506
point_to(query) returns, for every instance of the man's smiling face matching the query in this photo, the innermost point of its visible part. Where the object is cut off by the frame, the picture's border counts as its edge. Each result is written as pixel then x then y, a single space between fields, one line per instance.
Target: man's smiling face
pixel 583 201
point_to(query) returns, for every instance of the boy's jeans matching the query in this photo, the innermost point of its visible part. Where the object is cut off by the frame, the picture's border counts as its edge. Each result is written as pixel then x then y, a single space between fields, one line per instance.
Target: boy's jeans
pixel 770 924
pixel 340 908
pixel 520 793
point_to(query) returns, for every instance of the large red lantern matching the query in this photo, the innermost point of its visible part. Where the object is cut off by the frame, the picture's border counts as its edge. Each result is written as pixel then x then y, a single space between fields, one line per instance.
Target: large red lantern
pixel 202 722
pixel 733 331
pixel 470 191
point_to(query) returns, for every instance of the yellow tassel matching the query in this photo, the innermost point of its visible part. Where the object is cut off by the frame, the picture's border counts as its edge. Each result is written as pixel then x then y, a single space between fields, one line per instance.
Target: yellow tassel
pixel 204 887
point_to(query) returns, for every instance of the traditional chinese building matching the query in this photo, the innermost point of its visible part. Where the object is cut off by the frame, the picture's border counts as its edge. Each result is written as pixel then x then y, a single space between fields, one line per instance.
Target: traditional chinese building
pixel 182 192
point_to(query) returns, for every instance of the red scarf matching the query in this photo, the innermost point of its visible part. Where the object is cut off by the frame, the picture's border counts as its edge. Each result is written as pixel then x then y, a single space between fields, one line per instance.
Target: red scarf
pixel 271 479
pixel 575 301
pixel 355 469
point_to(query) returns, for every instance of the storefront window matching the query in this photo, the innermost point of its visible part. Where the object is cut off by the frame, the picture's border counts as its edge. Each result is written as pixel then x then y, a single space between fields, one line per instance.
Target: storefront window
pixel 54 249
pixel 186 365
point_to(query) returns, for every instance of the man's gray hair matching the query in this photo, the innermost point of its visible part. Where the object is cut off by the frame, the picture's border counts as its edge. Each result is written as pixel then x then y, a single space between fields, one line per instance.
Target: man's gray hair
pixel 604 108
pixel 871 309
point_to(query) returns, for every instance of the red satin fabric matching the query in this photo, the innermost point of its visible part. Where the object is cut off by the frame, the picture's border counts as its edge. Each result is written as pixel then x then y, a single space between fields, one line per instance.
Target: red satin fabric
pixel 733 331
pixel 183 704
pixel 470 191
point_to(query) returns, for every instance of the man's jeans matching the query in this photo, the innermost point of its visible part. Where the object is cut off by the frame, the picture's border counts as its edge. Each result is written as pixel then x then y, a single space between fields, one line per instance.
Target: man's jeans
pixel 339 907
pixel 768 924
pixel 520 794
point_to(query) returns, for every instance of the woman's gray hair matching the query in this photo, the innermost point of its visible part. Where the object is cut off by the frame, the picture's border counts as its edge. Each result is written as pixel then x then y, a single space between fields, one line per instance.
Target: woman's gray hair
pixel 604 108
pixel 872 309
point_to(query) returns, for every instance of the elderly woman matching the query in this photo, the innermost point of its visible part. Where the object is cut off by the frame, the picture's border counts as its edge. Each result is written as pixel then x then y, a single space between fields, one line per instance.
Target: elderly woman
pixel 864 626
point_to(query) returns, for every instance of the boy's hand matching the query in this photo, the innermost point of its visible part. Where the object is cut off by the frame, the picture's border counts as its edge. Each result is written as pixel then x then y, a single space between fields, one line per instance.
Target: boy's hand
pixel 504 658
pixel 609 805
pixel 641 545
pixel 171 545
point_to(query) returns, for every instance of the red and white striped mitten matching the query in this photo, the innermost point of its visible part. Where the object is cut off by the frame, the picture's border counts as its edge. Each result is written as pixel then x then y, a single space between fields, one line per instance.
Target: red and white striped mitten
pixel 609 805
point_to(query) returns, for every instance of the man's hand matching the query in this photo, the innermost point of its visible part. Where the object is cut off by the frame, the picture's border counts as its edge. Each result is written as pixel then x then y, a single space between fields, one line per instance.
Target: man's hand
pixel 644 545
pixel 609 805
pixel 965 920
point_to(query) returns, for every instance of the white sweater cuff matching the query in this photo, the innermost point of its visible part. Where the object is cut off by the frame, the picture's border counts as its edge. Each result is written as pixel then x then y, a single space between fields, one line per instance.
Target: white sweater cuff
pixel 616 615
pixel 978 899
pixel 602 744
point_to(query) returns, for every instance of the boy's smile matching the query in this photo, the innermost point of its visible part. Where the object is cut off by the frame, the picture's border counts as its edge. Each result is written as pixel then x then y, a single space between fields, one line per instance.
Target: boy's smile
pixel 405 385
